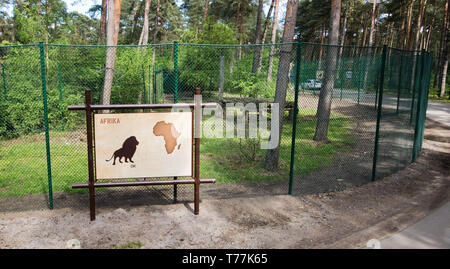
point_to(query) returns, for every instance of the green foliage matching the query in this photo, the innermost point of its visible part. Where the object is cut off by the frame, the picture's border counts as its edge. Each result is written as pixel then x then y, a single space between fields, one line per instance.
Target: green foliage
pixel 197 69
pixel 254 85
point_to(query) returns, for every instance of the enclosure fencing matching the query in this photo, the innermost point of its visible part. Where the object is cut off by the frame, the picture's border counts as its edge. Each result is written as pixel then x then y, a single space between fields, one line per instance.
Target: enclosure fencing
pixel 378 100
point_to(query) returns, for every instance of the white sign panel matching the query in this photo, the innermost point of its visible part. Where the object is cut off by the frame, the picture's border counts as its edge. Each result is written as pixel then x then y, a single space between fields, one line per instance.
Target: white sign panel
pixel 138 145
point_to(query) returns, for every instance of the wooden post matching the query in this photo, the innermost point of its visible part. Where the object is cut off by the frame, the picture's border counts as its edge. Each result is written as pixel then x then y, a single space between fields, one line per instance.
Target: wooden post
pixel 87 94
pixel 197 111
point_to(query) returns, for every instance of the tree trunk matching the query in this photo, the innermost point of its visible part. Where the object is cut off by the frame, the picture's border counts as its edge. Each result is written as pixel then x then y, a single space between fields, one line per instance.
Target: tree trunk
pixel 143 40
pixel 272 156
pixel 444 77
pixel 326 93
pixel 263 40
pixel 445 54
pixel 241 31
pixel 135 12
pixel 407 41
pixel 238 13
pixel 402 28
pixel 273 40
pixel 102 35
pixel 445 23
pixel 112 35
pixel 155 30
pixel 423 5
pixel 221 74
pixel 343 30
pixel 322 40
pixel 372 23
pixel 257 38
pixel 205 13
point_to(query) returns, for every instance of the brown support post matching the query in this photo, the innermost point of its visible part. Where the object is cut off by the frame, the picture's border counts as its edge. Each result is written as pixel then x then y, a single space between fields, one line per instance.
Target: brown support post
pixel 197 112
pixel 87 94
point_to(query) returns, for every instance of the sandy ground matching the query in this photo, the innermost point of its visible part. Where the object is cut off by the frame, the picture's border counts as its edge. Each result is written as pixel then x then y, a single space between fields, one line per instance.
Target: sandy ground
pixel 342 219
pixel 345 219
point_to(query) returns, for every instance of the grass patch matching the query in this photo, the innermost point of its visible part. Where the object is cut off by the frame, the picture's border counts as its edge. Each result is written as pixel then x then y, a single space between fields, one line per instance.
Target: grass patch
pixel 23 167
pixel 236 160
pixel 129 245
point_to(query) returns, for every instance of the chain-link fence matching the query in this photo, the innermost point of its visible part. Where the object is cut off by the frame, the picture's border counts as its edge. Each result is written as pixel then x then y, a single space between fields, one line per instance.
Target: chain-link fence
pixel 359 116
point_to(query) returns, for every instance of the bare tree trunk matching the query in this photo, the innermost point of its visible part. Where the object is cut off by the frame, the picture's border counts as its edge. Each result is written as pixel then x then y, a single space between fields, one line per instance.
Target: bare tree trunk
pixel 205 13
pixel 343 30
pixel 221 74
pixel 407 41
pixel 326 93
pixel 402 29
pixel 272 156
pixel 238 13
pixel 430 33
pixel 155 34
pixel 444 77
pixel 423 5
pixel 257 38
pixel 322 40
pixel 391 36
pixel 135 15
pixel 273 40
pixel 102 35
pixel 263 40
pixel 442 45
pixel 372 23
pixel 445 54
pixel 241 31
pixel 112 35
pixel 143 40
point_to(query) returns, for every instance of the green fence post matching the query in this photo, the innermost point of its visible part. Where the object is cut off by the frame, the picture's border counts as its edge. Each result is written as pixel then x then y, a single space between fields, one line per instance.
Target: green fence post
pixel 175 71
pixel 380 107
pixel 150 84
pixel 427 89
pixel 5 92
pixel 377 82
pixel 144 94
pixel 294 123
pixel 416 74
pixel 417 127
pixel 47 136
pixel 342 76
pixel 61 106
pixel 361 76
pixel 399 82
pixel 154 87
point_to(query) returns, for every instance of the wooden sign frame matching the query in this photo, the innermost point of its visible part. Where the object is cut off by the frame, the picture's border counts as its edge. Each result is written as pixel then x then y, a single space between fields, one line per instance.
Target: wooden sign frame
pixel 92 184
pixel 105 135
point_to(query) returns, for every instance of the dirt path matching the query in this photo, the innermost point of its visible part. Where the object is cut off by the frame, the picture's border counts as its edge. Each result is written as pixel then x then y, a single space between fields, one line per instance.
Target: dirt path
pixel 341 219
pixel 344 219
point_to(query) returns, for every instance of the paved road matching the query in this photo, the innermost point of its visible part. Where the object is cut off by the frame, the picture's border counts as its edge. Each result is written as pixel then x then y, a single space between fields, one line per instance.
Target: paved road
pixel 439 112
pixel 434 230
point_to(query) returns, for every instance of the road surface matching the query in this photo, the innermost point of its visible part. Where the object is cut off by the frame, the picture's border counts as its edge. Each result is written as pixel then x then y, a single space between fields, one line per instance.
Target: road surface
pixel 434 230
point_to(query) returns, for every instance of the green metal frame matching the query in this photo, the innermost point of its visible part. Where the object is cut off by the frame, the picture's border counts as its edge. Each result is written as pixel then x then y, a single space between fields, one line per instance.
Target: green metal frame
pixel 416 75
pixel 419 121
pixel 144 94
pixel 294 123
pixel 399 86
pixel 379 112
pixel 175 71
pixel 47 135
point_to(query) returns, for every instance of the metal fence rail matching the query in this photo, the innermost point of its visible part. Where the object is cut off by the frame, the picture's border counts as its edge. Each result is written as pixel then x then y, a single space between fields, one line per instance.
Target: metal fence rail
pixel 375 127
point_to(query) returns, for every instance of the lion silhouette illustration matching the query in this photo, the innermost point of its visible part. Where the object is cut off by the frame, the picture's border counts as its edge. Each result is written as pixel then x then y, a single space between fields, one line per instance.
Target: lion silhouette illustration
pixel 127 150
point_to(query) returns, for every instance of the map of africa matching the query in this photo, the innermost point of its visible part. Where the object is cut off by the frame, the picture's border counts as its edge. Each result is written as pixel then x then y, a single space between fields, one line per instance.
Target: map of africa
pixel 169 133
